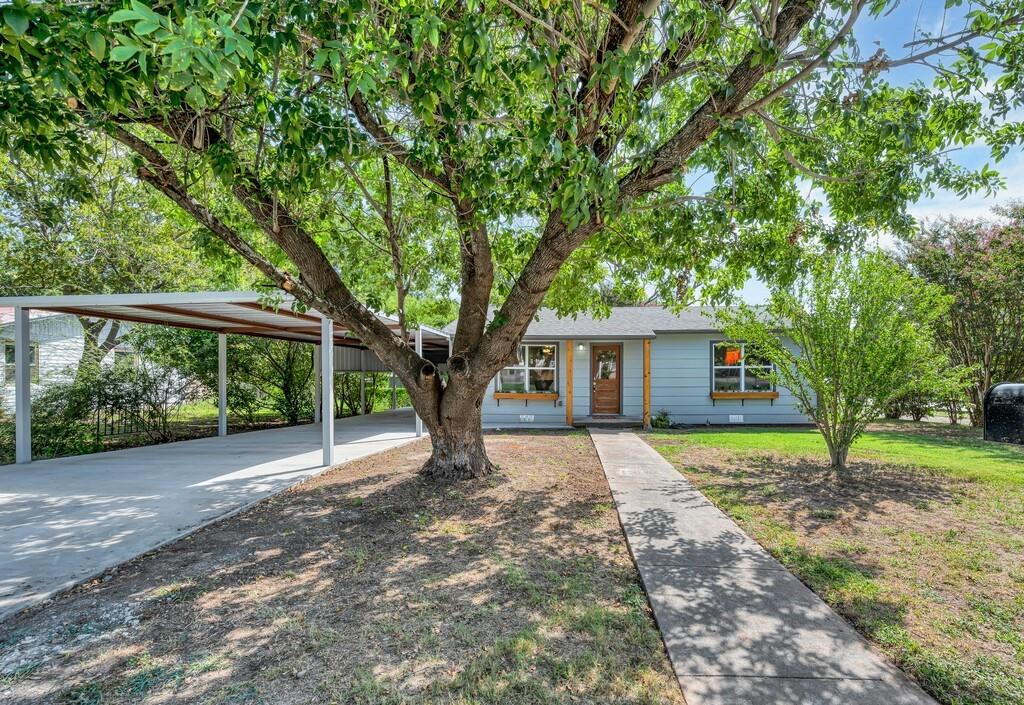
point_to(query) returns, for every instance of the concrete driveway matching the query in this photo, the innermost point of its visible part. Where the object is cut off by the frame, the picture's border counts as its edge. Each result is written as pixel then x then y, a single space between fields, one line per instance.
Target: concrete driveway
pixel 65 520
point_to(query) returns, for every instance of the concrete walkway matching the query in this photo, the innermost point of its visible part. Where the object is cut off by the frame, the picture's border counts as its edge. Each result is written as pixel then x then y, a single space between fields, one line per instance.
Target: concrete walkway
pixel 740 629
pixel 65 520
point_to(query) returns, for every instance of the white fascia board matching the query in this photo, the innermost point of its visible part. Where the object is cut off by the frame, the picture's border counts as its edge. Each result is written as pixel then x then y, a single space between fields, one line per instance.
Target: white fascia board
pixel 165 299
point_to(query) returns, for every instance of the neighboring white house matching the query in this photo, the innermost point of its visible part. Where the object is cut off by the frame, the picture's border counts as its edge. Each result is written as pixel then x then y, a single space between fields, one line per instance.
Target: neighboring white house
pixel 57 344
pixel 637 362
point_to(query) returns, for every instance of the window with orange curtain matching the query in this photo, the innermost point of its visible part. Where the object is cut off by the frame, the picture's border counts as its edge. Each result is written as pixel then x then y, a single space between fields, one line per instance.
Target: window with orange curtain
pixel 734 371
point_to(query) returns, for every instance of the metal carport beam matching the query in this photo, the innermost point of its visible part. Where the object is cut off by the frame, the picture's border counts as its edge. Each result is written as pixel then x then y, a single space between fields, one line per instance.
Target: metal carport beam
pixel 419 351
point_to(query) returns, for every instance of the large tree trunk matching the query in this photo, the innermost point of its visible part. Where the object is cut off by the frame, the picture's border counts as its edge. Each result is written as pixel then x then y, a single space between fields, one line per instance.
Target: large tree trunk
pixel 456 432
pixel 458 450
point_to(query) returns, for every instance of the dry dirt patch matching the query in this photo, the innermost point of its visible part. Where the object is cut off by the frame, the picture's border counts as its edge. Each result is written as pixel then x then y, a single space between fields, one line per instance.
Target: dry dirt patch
pixel 369 585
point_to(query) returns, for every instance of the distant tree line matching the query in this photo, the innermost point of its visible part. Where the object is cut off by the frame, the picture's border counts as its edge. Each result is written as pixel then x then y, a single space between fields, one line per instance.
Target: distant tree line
pixel 980 264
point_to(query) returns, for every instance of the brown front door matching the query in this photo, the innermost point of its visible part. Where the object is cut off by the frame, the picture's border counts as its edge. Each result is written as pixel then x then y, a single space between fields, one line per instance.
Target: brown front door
pixel 606 388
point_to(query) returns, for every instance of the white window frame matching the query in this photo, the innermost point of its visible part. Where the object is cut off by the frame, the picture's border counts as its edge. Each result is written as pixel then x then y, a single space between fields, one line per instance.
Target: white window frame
pixel 526 367
pixel 742 367
pixel 33 352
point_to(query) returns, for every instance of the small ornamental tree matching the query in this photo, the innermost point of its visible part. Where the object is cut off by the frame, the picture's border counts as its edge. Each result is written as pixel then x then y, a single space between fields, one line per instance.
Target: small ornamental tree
pixel 847 340
pixel 561 142
pixel 981 265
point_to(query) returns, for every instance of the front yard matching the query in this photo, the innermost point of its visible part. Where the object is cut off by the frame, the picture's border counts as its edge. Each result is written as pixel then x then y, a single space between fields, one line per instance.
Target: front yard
pixel 924 553
pixel 370 586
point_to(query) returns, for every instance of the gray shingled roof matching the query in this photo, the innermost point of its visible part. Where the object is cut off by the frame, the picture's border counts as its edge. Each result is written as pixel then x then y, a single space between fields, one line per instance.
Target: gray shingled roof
pixel 624 322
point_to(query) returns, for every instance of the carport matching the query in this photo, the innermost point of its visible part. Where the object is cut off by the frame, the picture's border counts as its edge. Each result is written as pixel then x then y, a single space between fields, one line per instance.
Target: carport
pixel 65 520
pixel 237 313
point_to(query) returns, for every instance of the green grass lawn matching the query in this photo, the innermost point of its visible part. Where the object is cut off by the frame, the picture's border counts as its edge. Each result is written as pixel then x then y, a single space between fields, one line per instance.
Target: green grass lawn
pixel 923 552
pixel 205 411
pixel 958 452
pixel 197 411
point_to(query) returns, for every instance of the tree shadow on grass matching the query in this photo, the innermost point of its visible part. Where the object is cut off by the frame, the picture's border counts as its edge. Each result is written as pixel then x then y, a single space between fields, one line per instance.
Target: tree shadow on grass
pixel 813 497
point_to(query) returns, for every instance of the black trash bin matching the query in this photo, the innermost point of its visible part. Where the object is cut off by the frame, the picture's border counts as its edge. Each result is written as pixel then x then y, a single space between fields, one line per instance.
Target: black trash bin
pixel 1004 413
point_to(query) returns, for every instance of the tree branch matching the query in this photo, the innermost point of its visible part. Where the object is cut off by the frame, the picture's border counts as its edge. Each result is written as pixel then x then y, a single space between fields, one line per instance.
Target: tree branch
pixel 796 163
pixel 320 288
pixel 672 154
pixel 557 242
pixel 671 63
pixel 386 141
pixel 812 66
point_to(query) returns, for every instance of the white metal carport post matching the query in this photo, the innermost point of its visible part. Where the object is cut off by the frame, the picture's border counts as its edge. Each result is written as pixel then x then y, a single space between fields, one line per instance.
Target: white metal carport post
pixel 327 387
pixel 222 384
pixel 419 351
pixel 22 387
pixel 317 392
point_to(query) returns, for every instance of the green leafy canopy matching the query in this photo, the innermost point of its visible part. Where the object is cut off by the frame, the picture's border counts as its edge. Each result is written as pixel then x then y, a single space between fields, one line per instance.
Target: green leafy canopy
pixel 545 151
pixel 495 87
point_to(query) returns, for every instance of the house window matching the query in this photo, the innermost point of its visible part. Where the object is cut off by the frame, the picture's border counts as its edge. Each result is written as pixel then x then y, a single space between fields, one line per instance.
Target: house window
pixel 534 372
pixel 9 362
pixel 733 370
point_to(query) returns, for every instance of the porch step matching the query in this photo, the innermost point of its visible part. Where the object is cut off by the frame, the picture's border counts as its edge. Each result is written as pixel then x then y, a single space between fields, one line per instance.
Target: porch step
pixel 608 422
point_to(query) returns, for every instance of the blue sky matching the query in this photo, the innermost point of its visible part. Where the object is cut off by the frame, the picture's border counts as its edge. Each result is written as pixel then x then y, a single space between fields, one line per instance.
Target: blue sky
pixel 891 32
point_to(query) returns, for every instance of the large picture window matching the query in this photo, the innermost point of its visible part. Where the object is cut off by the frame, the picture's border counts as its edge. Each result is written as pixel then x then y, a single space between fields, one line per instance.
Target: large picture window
pixel 33 356
pixel 734 370
pixel 535 371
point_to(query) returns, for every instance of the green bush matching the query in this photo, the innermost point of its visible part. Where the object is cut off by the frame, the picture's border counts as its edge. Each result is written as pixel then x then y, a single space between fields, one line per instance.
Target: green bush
pixel 378 393
pixel 6 438
pixel 146 395
pixel 263 375
pixel 661 420
pixel 68 418
pixel 61 413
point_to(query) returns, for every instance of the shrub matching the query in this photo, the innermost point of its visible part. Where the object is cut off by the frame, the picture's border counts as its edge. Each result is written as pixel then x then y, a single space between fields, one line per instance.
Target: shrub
pixel 661 419
pixel 69 418
pixel 263 374
pixel 378 393
pixel 6 438
pixel 61 415
pixel 147 395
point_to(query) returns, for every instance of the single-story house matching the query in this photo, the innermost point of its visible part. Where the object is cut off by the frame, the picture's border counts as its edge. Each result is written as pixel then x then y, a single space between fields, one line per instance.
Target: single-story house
pixel 634 364
pixel 56 349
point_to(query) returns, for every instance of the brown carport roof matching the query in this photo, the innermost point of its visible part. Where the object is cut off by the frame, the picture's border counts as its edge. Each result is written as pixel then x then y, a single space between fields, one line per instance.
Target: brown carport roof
pixel 234 312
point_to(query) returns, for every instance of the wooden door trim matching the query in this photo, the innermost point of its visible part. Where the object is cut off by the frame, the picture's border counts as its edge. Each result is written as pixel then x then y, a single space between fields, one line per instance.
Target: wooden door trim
pixel 592 370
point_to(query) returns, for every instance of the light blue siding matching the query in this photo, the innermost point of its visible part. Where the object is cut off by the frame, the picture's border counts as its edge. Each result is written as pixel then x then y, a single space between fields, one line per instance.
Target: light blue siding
pixel 581 380
pixel 681 385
